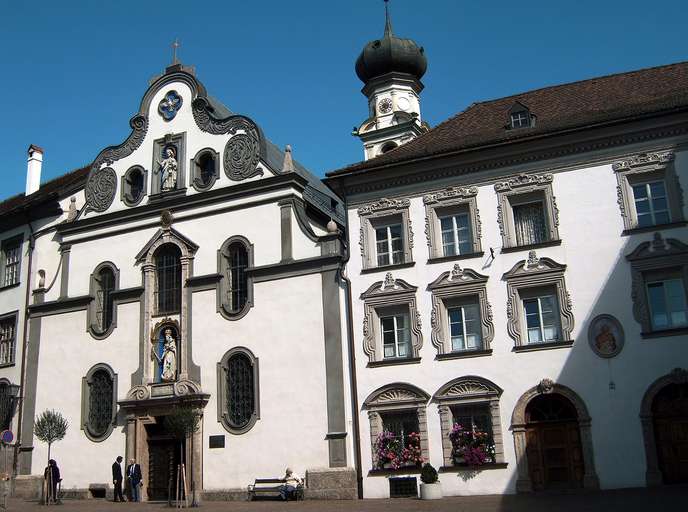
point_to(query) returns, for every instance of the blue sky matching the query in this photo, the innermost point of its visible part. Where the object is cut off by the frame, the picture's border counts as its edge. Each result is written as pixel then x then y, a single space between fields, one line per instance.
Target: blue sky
pixel 74 72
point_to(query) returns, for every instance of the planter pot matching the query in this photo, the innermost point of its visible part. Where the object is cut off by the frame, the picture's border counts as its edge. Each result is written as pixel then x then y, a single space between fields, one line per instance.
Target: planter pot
pixel 431 491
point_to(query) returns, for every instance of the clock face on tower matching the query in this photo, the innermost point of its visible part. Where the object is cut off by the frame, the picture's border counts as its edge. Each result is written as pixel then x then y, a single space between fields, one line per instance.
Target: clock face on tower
pixel 385 106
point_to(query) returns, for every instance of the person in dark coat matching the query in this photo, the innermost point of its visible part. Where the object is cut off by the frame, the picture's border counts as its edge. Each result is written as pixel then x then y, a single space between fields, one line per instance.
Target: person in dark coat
pixel 52 476
pixel 135 480
pixel 117 478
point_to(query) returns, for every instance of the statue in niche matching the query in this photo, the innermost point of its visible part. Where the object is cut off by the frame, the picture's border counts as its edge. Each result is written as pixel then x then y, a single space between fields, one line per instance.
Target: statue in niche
pixel 168 170
pixel 168 359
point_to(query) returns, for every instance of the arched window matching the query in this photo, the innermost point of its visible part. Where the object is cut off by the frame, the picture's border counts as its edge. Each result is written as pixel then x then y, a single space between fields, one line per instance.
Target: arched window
pixel 168 274
pixel 237 383
pixel 99 402
pixel 134 185
pixel 388 146
pixel 102 311
pixel 205 169
pixel 235 295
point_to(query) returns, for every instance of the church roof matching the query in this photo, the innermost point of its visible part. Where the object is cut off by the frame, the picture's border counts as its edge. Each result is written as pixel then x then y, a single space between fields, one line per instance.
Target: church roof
pixel 556 109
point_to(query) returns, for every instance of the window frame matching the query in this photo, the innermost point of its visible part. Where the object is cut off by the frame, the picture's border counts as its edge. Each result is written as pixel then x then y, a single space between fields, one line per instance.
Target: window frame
pixel 451 201
pixel 92 311
pixel 222 410
pixel 522 189
pixel 381 213
pixel 528 277
pixel 676 277
pixel 156 280
pixel 178 140
pixel 222 289
pixel 469 390
pixel 383 298
pixel 397 398
pixel 125 187
pixel 455 288
pixel 642 168
pixel 537 294
pixel 395 316
pixel 86 402
pixel 14 242
pixel 12 317
pixel 196 171
pixel 648 261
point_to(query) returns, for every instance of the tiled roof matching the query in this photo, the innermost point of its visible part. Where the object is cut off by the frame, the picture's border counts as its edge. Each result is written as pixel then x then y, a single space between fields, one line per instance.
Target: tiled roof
pixel 47 191
pixel 557 108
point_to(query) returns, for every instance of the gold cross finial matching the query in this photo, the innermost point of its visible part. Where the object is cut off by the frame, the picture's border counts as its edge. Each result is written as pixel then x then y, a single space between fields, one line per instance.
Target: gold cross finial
pixel 175 45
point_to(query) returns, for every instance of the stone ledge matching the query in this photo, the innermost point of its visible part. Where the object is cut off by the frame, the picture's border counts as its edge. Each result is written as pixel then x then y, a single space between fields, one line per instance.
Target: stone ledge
pixel 224 495
pixel 331 484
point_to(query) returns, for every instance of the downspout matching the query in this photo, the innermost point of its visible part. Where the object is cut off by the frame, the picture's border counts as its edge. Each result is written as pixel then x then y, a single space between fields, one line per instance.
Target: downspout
pixel 25 342
pixel 352 358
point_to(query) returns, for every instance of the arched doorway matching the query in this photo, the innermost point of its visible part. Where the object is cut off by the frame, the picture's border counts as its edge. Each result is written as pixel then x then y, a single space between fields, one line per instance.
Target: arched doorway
pixel 552 439
pixel 670 416
pixel 664 417
pixel 553 444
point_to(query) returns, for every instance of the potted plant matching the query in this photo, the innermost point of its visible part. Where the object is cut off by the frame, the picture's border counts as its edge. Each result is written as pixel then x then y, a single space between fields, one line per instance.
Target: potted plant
pixel 430 489
pixel 390 452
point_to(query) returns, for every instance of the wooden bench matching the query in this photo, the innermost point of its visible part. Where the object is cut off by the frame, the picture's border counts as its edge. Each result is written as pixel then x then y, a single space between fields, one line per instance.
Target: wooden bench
pixel 270 487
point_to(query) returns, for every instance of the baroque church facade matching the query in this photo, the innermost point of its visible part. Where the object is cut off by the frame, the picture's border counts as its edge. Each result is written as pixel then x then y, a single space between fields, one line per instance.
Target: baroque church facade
pixel 502 295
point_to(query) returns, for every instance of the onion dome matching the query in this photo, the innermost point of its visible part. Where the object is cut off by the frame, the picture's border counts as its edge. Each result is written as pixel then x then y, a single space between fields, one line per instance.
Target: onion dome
pixel 390 54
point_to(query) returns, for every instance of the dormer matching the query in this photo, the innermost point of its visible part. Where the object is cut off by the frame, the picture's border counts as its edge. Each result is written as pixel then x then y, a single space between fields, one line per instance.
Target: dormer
pixel 519 116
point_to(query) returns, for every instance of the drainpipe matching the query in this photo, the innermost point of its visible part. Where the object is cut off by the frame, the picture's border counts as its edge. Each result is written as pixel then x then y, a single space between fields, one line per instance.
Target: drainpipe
pixel 25 342
pixel 352 357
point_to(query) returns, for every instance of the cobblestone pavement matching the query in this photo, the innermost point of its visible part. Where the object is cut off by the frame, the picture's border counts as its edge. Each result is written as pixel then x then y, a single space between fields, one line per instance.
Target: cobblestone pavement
pixel 674 498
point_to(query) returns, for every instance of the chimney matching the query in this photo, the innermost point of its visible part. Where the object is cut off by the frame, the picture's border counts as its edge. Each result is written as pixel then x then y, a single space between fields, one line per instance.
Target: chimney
pixel 33 172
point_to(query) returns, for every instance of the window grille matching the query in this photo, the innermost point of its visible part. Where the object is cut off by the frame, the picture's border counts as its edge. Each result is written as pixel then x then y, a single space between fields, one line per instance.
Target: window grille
pixel 240 390
pixel 237 291
pixel 7 340
pixel 530 224
pixel 404 487
pixel 169 280
pixel 12 257
pixel 100 403
pixel 6 406
pixel 401 424
pixel 104 306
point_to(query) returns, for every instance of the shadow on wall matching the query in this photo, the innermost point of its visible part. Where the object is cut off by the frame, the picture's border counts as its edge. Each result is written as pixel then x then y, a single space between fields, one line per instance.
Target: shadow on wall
pixel 581 425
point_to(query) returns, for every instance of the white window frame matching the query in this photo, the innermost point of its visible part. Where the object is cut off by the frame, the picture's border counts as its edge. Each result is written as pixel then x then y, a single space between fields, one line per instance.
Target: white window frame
pixel 461 308
pixel 523 118
pixel 650 199
pixel 538 297
pixel 398 342
pixel 389 242
pixel 379 214
pixel 456 239
pixel 450 202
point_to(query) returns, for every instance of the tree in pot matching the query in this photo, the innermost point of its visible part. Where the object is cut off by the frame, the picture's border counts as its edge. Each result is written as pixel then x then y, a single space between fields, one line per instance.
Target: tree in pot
pixel 50 426
pixel 430 489
pixel 183 422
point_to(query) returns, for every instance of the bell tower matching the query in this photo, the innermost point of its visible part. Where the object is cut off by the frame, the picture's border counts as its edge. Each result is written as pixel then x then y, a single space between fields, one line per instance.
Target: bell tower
pixel 391 69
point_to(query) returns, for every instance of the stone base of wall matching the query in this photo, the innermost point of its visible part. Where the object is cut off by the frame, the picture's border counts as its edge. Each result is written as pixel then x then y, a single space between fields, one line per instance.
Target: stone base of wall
pixel 225 495
pixel 331 484
pixel 28 487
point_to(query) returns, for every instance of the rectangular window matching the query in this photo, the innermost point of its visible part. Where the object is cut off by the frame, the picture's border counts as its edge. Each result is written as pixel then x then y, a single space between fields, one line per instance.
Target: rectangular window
pixel 520 120
pixel 542 319
pixel 456 234
pixel 396 340
pixel 667 300
pixel 401 424
pixel 389 245
pixel 11 258
pixel 651 204
pixel 464 328
pixel 7 340
pixel 530 224
pixel 474 417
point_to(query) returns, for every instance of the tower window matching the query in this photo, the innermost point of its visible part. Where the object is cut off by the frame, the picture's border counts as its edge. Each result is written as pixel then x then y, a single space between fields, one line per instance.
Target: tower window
pixel 388 146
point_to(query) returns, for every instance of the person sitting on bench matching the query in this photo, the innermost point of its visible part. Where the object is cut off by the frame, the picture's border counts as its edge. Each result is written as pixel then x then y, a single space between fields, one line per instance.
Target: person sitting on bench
pixel 291 481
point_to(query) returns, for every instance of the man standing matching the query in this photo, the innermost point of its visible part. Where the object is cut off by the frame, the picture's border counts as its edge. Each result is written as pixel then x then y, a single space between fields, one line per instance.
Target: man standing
pixel 117 478
pixel 135 480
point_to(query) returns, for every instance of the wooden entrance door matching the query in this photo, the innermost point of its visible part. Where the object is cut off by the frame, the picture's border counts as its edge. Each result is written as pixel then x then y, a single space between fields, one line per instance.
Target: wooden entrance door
pixel 670 411
pixel 162 467
pixel 553 445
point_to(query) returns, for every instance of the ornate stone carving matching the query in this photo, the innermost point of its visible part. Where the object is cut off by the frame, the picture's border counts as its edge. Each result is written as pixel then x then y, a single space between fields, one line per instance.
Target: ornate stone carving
pixel 450 193
pixel 100 189
pixel 524 180
pixel 170 105
pixel 383 208
pixel 397 393
pixel 241 157
pixel 459 197
pixel 166 219
pixel 139 393
pixel 388 282
pixel 643 159
pixel 167 168
pixel 546 386
pixel 206 121
pixel 383 205
pixel 186 387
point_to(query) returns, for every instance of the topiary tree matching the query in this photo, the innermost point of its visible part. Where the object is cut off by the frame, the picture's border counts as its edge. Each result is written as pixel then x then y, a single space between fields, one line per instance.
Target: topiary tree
pixel 428 474
pixel 182 423
pixel 50 426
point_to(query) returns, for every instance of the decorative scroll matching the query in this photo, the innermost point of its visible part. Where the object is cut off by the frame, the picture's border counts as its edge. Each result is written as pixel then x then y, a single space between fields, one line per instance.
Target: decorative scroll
pixel 100 189
pixel 241 156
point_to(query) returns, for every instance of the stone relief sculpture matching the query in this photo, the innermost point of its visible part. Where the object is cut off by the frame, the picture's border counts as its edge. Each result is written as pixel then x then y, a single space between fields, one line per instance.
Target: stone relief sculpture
pixel 168 360
pixel 168 170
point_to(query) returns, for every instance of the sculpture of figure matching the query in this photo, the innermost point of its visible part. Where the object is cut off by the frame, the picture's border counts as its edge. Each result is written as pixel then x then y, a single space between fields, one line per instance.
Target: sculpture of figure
pixel 168 170
pixel 605 340
pixel 168 361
